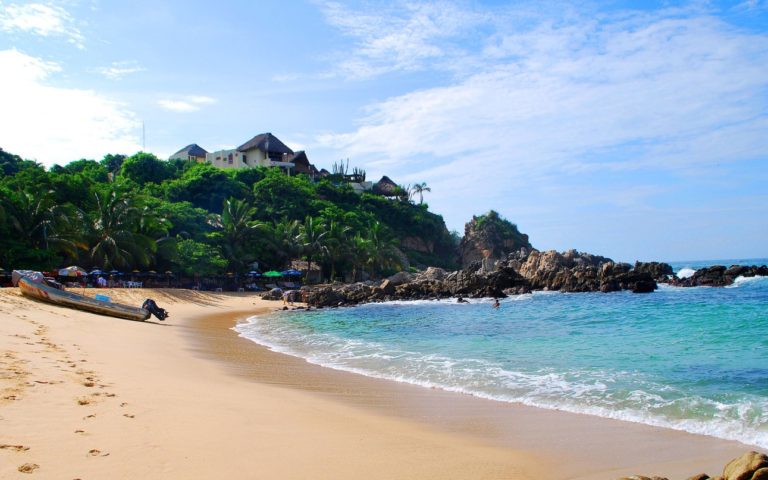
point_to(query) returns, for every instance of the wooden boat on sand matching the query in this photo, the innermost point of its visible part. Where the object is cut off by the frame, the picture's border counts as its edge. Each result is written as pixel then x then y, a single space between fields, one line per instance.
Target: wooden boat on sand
pixel 41 291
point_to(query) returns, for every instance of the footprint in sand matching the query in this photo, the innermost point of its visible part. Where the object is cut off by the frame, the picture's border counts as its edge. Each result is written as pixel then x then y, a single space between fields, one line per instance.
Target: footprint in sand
pixel 28 467
pixel 128 415
pixel 97 453
pixel 15 448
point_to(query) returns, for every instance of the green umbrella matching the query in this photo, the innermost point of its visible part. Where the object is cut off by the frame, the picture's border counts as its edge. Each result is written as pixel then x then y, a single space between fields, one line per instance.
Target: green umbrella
pixel 273 273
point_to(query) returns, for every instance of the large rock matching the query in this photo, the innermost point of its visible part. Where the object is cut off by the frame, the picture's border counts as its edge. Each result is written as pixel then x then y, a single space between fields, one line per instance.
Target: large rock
pixel 274 294
pixel 659 271
pixel 400 278
pixel 744 467
pixel 489 238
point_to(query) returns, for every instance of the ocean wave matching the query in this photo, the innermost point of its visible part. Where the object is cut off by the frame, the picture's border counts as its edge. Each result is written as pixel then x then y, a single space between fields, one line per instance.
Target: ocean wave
pixel 742 281
pixel 595 392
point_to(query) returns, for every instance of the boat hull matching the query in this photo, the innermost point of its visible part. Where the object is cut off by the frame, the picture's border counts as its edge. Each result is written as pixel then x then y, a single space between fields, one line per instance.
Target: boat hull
pixel 63 298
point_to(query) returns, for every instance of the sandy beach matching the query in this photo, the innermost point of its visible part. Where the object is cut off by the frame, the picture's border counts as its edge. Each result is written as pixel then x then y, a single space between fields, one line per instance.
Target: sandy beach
pixel 86 396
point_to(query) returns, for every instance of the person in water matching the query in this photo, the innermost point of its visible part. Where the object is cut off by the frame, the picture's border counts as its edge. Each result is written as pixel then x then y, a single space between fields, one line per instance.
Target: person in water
pixel 496 303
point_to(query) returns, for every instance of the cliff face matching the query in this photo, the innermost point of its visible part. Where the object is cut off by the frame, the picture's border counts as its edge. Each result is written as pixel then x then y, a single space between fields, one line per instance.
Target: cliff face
pixel 490 238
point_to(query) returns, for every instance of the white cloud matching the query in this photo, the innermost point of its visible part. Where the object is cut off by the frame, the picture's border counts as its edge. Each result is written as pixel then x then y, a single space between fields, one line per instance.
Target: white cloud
pixel 566 97
pixel 40 19
pixel 118 70
pixel 57 125
pixel 398 36
pixel 187 104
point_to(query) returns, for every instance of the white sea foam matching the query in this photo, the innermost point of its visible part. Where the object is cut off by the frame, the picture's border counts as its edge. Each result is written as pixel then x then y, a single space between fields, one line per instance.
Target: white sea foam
pixel 685 272
pixel 740 281
pixel 576 391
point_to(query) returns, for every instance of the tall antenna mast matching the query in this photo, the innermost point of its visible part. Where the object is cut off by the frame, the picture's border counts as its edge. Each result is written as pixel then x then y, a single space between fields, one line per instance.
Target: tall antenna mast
pixel 143 138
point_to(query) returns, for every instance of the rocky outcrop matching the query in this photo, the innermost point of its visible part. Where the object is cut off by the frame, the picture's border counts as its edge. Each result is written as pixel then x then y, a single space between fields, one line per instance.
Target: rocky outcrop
pixel 745 467
pixel 657 270
pixel 718 276
pixel 488 239
pixel 750 466
pixel 520 272
pixel 418 244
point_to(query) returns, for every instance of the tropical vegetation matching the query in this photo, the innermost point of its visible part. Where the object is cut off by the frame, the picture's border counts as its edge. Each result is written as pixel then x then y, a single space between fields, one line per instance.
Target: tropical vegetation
pixel 140 212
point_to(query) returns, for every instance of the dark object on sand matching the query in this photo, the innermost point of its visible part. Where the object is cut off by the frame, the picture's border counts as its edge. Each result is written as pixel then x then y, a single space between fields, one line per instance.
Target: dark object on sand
pixel 152 307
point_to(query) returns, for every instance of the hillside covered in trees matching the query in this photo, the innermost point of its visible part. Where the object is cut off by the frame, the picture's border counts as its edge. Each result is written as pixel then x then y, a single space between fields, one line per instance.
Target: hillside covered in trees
pixel 143 213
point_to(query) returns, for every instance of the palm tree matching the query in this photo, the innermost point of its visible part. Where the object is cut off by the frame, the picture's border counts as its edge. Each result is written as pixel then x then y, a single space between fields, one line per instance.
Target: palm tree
pixel 360 251
pixel 383 251
pixel 284 241
pixel 420 188
pixel 311 237
pixel 336 244
pixel 37 218
pixel 238 229
pixel 116 239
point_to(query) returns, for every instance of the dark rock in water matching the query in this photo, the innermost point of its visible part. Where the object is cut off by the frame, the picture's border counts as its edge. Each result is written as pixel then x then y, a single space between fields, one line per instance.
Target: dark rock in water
pixel 387 287
pixel 719 276
pixel 644 286
pixel 659 271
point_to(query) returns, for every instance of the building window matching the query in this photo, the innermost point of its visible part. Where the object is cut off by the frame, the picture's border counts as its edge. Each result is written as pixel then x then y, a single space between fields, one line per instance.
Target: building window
pixel 244 159
pixel 229 158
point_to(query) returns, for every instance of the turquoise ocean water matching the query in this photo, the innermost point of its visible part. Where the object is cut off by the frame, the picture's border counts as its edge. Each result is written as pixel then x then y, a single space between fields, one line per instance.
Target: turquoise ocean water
pixel 692 359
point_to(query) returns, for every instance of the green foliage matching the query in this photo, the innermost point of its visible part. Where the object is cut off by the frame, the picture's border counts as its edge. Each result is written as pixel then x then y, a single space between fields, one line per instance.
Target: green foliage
pixel 204 186
pixel 199 259
pixel 113 163
pixel 248 176
pixel 13 164
pixel 142 212
pixel 145 168
pixel 279 196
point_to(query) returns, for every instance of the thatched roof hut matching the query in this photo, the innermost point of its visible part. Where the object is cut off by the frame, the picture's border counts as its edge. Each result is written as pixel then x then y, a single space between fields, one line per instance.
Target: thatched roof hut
pixel 190 152
pixel 301 163
pixel 266 142
pixel 386 187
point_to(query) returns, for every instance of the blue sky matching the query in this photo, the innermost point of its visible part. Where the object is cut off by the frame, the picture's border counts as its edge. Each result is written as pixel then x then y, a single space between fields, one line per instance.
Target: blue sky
pixel 635 130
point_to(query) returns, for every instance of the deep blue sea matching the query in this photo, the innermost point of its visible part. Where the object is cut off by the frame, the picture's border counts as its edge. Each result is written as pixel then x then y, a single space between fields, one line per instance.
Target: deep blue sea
pixel 692 359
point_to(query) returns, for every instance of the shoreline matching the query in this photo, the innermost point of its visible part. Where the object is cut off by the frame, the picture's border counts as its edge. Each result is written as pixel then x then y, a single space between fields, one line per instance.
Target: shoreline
pixel 89 395
pixel 595 447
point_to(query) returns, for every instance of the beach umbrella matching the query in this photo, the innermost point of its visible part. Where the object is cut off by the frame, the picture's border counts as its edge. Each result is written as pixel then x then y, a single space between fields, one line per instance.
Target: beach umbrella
pixel 114 272
pixel 292 273
pixel 253 273
pixel 72 271
pixel 272 273
pixel 96 272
